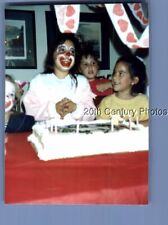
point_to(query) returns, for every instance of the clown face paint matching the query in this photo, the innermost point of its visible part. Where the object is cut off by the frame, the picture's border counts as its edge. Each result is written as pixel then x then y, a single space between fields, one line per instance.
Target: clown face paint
pixel 65 56
pixel 10 91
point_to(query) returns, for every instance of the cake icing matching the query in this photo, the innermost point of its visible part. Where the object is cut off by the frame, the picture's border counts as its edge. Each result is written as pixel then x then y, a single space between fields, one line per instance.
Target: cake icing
pixel 86 138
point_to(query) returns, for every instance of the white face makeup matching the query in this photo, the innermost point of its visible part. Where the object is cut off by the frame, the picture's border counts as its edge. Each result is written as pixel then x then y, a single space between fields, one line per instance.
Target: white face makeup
pixel 63 48
pixel 65 55
pixel 10 91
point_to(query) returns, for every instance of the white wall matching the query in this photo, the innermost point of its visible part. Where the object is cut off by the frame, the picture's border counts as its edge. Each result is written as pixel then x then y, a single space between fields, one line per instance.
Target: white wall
pixel 41 44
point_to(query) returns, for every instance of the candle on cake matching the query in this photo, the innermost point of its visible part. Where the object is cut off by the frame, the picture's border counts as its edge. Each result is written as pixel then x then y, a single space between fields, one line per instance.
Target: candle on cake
pixel 77 127
pixel 130 122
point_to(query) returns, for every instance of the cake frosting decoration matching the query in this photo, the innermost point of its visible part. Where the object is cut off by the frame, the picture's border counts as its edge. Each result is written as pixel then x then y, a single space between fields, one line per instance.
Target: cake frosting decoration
pixel 56 141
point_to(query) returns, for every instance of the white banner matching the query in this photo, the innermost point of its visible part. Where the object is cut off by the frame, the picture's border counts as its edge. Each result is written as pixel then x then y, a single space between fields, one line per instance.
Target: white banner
pixel 67 17
pixel 137 11
pixel 124 27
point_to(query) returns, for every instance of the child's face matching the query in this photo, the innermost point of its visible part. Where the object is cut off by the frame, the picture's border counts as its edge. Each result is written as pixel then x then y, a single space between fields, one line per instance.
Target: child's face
pixel 121 79
pixel 64 56
pixel 89 67
pixel 9 95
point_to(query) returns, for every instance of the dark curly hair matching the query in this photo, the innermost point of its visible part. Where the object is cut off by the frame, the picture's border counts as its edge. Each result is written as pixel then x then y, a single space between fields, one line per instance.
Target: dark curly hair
pixel 62 37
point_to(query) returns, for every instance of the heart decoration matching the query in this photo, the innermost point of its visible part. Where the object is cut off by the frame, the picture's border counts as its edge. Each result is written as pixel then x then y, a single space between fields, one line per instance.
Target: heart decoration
pixel 117 10
pixel 137 11
pixel 139 14
pixel 70 11
pixel 131 38
pixel 123 24
pixel 137 6
pixel 67 17
pixel 70 23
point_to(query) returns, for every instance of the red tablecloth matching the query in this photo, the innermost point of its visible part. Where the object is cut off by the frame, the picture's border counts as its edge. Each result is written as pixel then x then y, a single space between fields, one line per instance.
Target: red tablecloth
pixel 104 179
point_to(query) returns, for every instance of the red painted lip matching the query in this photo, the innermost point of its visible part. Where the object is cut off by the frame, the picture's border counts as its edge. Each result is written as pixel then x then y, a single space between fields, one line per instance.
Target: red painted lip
pixel 65 62
pixel 7 104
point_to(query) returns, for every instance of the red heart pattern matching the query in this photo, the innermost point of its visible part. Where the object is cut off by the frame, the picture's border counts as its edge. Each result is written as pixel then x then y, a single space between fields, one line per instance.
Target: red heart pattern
pixel 130 37
pixel 117 10
pixel 123 24
pixel 139 14
pixel 67 17
pixel 137 6
pixel 70 11
pixel 70 23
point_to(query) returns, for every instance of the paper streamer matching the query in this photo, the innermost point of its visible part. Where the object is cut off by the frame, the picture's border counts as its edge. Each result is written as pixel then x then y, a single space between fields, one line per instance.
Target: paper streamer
pixel 67 17
pixel 124 27
pixel 137 11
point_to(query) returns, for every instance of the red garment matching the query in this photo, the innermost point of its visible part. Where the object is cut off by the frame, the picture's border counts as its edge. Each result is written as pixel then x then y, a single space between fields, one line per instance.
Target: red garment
pixel 93 84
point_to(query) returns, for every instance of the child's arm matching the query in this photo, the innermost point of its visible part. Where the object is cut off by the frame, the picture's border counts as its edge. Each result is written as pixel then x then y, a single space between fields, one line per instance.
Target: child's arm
pixel 37 102
pixel 35 105
pixel 104 86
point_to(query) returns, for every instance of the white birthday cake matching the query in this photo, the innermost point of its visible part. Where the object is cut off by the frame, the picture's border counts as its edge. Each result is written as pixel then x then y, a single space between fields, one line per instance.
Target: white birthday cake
pixel 87 138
